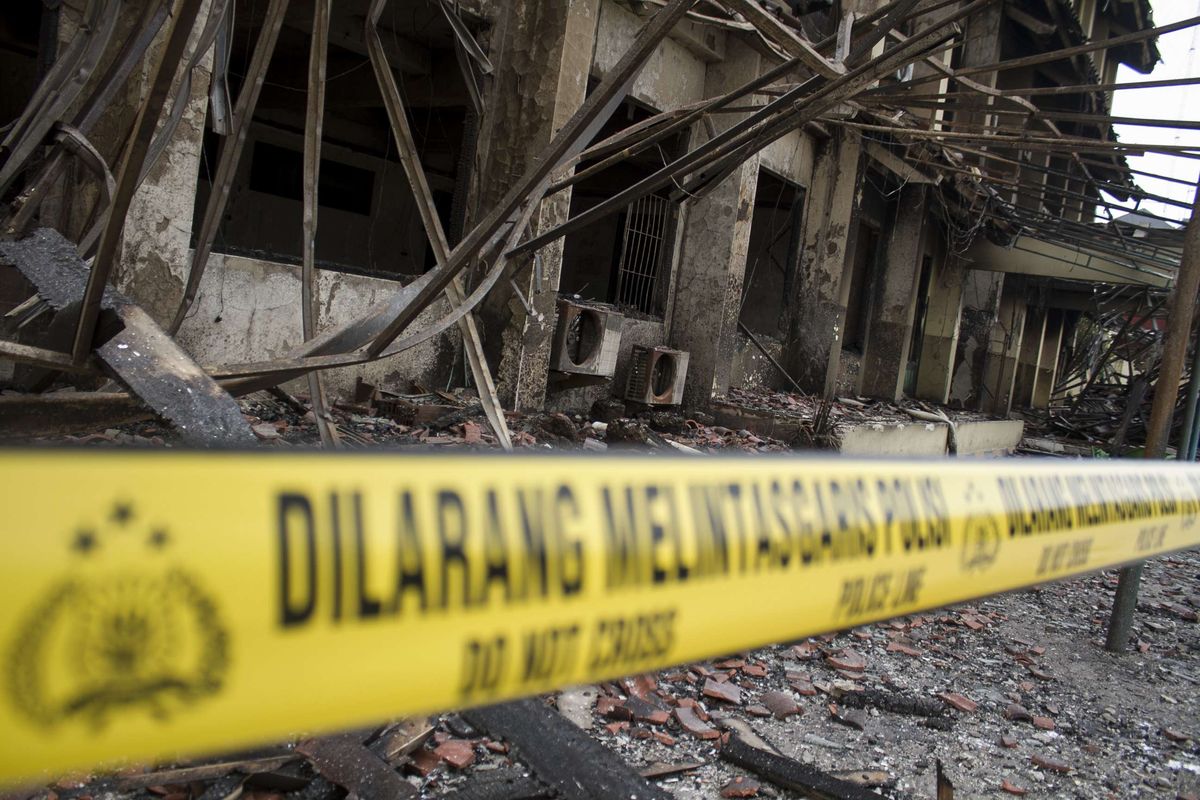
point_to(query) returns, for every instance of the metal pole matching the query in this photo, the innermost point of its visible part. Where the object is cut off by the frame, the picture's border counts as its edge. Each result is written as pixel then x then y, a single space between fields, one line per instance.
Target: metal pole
pixel 1166 391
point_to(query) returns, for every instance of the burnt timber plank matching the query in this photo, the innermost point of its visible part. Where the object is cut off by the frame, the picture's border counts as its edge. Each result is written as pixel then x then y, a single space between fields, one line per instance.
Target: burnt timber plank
pixel 344 760
pixel 142 357
pixel 791 774
pixel 561 755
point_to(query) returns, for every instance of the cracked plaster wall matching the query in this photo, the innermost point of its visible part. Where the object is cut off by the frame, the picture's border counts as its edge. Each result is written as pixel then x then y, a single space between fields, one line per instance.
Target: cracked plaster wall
pixel 249 310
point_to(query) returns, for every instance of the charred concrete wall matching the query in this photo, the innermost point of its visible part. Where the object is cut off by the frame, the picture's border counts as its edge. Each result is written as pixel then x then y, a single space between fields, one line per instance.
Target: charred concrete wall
pixel 248 310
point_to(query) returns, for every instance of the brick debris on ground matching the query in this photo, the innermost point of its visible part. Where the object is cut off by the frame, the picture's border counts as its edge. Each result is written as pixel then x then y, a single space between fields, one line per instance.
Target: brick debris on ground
pixel 1012 696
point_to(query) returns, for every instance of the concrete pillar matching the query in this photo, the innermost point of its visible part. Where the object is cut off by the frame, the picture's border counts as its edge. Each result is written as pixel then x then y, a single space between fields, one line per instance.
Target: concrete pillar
pixel 153 257
pixel 980 303
pixel 1047 371
pixel 939 340
pixel 889 331
pixel 981 47
pixel 1003 352
pixel 542 54
pixel 711 266
pixel 708 288
pixel 1031 353
pixel 818 306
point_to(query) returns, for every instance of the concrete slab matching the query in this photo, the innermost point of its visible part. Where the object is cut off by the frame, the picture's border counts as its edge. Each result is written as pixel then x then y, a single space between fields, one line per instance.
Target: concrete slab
pixel 989 438
pixel 759 423
pixel 915 440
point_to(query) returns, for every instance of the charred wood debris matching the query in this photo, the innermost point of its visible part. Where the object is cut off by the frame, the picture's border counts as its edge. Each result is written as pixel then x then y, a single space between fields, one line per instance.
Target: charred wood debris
pixel 813 86
pixel 108 374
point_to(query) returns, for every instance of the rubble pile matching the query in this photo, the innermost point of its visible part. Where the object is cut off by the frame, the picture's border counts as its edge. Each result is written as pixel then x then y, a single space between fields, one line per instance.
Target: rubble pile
pixel 1011 696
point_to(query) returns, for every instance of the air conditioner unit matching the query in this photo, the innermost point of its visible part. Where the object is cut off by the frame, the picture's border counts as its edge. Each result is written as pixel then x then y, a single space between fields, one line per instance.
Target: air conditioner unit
pixel 586 340
pixel 657 376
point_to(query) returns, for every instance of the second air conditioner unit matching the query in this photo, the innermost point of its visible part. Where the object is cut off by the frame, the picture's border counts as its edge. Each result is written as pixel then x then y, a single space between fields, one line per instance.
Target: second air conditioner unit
pixel 656 376
pixel 586 340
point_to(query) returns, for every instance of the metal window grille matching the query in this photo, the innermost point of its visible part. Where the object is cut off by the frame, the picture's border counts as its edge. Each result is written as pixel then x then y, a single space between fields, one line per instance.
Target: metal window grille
pixel 646 223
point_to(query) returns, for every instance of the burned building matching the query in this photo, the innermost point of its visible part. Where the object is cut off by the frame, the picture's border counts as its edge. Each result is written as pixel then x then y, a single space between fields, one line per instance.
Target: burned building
pixel 561 202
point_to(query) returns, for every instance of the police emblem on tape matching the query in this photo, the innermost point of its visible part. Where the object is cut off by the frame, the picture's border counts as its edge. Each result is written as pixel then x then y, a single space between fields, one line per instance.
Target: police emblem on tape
pixel 104 640
pixel 981 535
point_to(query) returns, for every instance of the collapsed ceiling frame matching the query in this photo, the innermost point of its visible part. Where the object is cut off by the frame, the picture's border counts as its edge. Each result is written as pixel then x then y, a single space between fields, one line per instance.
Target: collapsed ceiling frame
pixel 844 88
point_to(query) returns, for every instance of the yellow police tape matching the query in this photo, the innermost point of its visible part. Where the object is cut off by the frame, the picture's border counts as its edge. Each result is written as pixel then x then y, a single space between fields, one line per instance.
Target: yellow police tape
pixel 159 604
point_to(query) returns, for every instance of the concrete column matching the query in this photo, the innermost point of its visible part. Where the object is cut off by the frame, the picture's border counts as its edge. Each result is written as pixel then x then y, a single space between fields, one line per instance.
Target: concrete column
pixel 708 288
pixel 939 341
pixel 981 47
pixel 153 258
pixel 1031 353
pixel 818 307
pixel 712 258
pixel 889 331
pixel 1003 352
pixel 542 53
pixel 980 304
pixel 1047 371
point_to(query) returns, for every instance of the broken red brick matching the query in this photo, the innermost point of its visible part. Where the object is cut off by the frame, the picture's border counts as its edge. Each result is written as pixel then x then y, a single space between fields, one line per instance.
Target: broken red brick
pixel 1012 788
pixel 806 650
pixel 424 762
pixel 697 707
pixel 900 647
pixel 495 747
pixel 1027 686
pixel 644 711
pixel 640 686
pixel 1008 741
pixel 847 659
pixel 1017 713
pixel 694 725
pixel 1176 736
pixel 1037 651
pixel 1051 764
pixel 741 787
pixel 1045 723
pixel 958 701
pixel 664 738
pixel 730 663
pixel 616 727
pixel 755 670
pixel 728 692
pixel 612 708
pixel 781 704
pixel 758 711
pixel 457 753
